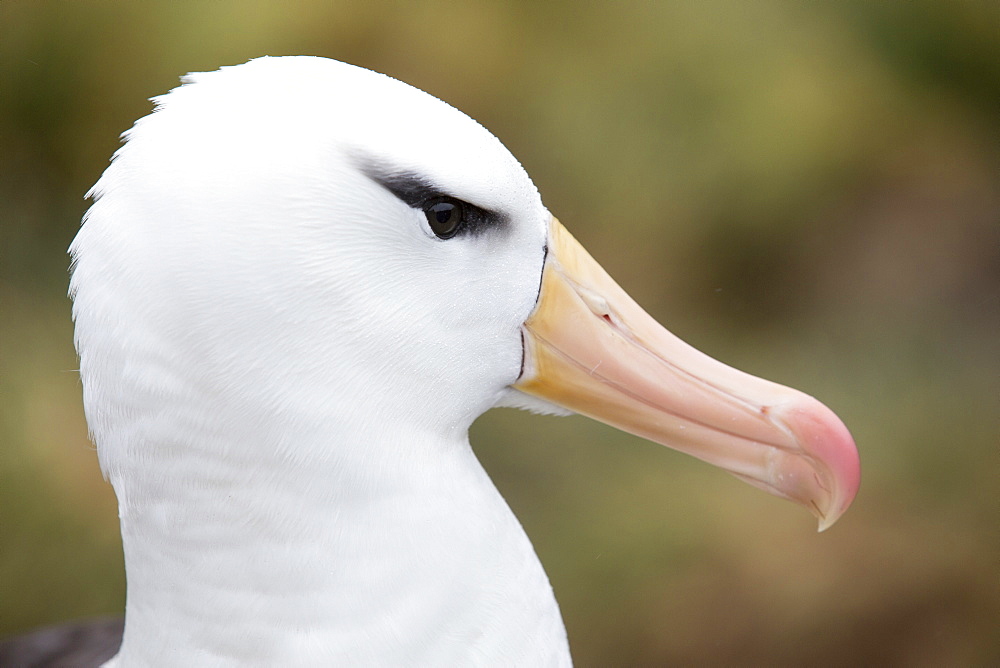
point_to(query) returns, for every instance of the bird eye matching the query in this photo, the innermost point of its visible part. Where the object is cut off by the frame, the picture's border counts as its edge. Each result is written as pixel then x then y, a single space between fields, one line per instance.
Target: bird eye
pixel 445 216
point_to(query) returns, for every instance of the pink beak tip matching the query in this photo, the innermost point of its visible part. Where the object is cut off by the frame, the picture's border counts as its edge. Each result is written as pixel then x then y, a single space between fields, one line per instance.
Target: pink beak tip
pixel 827 441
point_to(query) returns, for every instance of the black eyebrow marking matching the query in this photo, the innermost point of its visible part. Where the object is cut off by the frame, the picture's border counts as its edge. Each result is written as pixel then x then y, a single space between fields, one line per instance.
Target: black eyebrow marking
pixel 414 190
pixel 417 191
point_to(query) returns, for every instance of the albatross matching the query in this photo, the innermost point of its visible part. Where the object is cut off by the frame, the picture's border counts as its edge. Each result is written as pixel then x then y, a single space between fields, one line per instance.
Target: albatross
pixel 297 286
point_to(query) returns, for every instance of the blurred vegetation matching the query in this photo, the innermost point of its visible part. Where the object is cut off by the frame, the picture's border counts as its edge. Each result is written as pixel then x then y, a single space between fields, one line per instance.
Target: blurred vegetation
pixel 808 191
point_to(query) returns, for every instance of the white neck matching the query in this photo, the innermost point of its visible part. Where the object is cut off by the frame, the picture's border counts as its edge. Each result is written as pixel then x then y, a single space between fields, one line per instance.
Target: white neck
pixel 362 556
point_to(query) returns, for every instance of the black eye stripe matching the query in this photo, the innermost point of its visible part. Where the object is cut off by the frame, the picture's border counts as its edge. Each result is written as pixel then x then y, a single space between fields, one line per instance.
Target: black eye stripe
pixel 420 193
pixel 412 189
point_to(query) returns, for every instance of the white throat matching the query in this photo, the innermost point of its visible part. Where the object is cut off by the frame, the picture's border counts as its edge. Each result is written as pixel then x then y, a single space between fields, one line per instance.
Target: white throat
pixel 395 552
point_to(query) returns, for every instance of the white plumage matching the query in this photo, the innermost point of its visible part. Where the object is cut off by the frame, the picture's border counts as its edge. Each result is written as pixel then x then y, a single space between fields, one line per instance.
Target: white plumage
pixel 281 360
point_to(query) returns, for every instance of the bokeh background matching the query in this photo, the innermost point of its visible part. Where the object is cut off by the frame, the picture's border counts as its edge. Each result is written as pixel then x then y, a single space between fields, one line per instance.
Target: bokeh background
pixel 807 191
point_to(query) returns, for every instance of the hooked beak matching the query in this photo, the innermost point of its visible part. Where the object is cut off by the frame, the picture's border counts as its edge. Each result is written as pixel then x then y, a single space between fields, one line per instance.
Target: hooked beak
pixel 590 348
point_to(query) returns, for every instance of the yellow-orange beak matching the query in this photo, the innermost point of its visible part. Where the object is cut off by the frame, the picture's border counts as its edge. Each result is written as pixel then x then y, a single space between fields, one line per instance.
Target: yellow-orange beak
pixel 590 348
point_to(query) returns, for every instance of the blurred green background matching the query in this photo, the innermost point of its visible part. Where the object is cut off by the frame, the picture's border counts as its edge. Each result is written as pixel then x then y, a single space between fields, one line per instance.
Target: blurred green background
pixel 807 191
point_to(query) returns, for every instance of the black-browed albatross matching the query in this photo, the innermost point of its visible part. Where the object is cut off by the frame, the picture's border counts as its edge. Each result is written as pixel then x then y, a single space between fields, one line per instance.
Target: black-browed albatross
pixel 299 283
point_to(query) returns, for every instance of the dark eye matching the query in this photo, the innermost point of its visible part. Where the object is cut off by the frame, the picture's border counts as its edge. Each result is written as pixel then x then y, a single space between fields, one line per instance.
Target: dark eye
pixel 445 216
